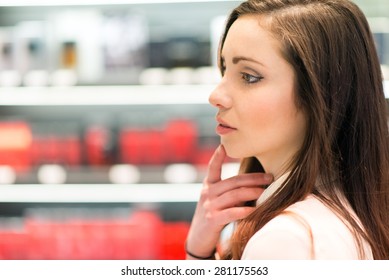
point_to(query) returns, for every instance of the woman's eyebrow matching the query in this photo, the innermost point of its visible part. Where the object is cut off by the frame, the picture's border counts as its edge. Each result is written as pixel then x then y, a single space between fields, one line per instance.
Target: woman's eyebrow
pixel 237 59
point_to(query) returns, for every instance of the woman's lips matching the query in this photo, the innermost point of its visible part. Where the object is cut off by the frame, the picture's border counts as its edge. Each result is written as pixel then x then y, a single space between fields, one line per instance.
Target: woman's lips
pixel 223 128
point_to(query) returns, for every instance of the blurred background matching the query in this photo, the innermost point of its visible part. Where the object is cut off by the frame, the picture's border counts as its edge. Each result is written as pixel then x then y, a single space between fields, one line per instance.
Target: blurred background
pixel 105 127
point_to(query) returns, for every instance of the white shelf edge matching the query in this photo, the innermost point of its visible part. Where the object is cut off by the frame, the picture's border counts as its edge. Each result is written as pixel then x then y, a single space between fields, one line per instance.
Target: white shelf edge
pixel 111 95
pixel 23 3
pixel 100 193
pixel 105 95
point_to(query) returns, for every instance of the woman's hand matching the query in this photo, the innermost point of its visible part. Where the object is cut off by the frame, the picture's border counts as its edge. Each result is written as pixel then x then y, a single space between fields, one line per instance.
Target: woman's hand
pixel 221 202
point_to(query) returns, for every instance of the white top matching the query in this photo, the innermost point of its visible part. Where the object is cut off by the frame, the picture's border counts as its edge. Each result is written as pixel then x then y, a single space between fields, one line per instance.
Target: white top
pixel 307 230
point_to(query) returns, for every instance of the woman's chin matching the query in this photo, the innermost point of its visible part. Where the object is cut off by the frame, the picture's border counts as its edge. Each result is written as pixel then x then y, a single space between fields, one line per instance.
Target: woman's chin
pixel 233 153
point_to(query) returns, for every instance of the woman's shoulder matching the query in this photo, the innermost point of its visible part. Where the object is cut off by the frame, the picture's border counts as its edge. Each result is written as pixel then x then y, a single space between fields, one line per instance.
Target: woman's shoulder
pixel 308 229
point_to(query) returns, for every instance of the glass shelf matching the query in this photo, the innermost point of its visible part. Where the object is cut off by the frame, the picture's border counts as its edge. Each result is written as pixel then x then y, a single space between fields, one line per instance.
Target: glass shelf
pixel 106 95
pixel 100 193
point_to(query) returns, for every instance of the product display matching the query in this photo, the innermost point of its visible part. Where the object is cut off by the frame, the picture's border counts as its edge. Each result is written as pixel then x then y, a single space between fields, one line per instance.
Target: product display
pixel 99 146
pixel 143 235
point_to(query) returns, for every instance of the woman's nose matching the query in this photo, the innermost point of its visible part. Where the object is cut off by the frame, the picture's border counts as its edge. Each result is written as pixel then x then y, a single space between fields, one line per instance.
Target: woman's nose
pixel 219 97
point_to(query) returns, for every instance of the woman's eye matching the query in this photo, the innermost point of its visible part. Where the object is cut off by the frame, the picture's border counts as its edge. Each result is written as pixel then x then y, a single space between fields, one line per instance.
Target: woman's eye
pixel 250 79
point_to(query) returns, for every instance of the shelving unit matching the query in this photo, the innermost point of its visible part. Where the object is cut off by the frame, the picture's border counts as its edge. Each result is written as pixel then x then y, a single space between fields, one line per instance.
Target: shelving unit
pixel 99 106
pixel 148 108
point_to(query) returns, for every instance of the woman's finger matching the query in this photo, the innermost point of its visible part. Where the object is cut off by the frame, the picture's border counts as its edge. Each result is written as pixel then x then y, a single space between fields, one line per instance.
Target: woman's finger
pixel 215 165
pixel 237 196
pixel 229 215
pixel 241 180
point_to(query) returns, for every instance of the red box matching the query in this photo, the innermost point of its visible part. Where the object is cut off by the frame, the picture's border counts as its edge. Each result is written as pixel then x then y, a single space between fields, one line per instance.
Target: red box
pixel 15 145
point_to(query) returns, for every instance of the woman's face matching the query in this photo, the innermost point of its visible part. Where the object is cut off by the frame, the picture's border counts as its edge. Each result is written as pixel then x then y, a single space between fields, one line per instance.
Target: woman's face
pixel 256 98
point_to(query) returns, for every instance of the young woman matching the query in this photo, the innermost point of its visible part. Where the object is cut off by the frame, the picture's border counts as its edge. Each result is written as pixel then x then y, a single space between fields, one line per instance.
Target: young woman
pixel 301 103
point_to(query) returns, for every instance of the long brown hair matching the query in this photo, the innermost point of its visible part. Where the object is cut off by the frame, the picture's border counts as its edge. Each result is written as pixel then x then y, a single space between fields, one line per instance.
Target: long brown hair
pixel 339 88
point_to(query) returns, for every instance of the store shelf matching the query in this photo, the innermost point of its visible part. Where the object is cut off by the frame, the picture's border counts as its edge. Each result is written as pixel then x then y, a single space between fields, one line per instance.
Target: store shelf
pixel 21 3
pixel 105 95
pixel 111 95
pixel 103 193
